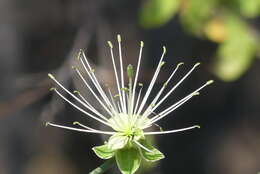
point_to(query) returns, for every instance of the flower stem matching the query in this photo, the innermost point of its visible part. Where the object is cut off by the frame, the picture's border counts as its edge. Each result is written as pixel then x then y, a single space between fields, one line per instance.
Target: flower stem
pixel 104 167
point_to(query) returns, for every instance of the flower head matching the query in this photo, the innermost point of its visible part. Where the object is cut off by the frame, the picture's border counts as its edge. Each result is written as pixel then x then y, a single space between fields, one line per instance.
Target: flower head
pixel 126 113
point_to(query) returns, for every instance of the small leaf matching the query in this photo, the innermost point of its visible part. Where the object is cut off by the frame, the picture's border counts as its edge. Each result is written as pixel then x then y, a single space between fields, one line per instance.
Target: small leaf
pixel 237 52
pixel 128 160
pixel 153 154
pixel 117 141
pixel 156 13
pixel 103 152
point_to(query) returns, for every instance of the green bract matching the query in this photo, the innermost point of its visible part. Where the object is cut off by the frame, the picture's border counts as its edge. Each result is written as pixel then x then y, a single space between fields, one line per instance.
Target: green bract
pixel 127 114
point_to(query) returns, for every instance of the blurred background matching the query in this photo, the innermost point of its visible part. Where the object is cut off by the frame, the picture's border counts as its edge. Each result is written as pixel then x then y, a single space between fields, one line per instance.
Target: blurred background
pixel 38 37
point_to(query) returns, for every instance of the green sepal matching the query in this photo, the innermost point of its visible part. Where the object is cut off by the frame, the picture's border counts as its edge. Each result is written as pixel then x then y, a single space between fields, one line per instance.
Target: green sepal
pixel 128 160
pixel 117 141
pixel 153 154
pixel 103 152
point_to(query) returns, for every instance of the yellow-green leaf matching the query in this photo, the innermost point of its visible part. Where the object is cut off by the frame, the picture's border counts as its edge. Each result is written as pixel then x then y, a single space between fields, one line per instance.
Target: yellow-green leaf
pixel 128 160
pixel 103 152
pixel 153 154
pixel 156 13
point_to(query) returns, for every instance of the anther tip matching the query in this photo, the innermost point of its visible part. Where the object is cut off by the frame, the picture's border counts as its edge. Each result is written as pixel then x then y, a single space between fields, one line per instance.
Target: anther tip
pixel 51 76
pixel 196 93
pixel 164 49
pixel 52 89
pixel 197 126
pixel 197 64
pixel 119 38
pixel 140 84
pixel 142 44
pixel 75 122
pixel 162 63
pixel 179 64
pixel 210 82
pixel 47 124
pixel 76 92
pixel 110 44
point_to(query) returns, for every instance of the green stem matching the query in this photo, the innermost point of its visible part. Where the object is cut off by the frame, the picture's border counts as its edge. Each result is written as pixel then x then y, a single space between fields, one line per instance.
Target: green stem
pixel 104 167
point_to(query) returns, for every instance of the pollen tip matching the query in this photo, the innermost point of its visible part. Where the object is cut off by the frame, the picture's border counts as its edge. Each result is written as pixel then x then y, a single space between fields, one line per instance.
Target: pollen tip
pixel 51 76
pixel 76 92
pixel 196 93
pixel 81 51
pixel 164 49
pixel 75 123
pixel 110 44
pixel 210 82
pixel 197 64
pixel 142 44
pixel 197 126
pixel 179 64
pixel 140 84
pixel 162 63
pixel 52 89
pixel 47 124
pixel 118 38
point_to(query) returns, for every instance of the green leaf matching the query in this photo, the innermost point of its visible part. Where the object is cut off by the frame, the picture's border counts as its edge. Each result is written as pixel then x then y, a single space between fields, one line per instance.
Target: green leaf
pixel 195 13
pixel 117 141
pixel 156 13
pixel 128 160
pixel 237 52
pixel 103 152
pixel 153 154
pixel 249 8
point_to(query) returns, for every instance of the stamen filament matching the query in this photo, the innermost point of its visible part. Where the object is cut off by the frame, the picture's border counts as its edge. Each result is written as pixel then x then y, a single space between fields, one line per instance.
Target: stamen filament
pixel 94 94
pixel 169 93
pixel 85 112
pixel 84 126
pixel 94 80
pixel 171 131
pixel 152 82
pixel 122 71
pixel 182 101
pixel 140 145
pixel 115 71
pixel 81 102
pixel 146 113
pixel 137 73
pixel 80 130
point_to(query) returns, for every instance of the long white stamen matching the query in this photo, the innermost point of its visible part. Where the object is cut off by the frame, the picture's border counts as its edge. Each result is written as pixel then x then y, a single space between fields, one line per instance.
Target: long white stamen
pixel 139 144
pixel 80 130
pixel 136 74
pixel 152 82
pixel 94 94
pixel 171 131
pixel 176 105
pixel 115 71
pixel 138 99
pixel 82 98
pixel 113 101
pixel 85 112
pixel 80 101
pixel 84 126
pixel 146 113
pixel 169 93
pixel 119 108
pixel 172 108
pixel 93 78
pixel 122 72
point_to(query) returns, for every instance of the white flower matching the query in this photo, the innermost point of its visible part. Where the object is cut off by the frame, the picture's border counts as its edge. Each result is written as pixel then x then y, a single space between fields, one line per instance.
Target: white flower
pixel 128 115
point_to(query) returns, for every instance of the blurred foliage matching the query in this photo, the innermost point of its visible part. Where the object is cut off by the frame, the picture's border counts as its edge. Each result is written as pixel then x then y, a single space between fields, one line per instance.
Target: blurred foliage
pixel 224 22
